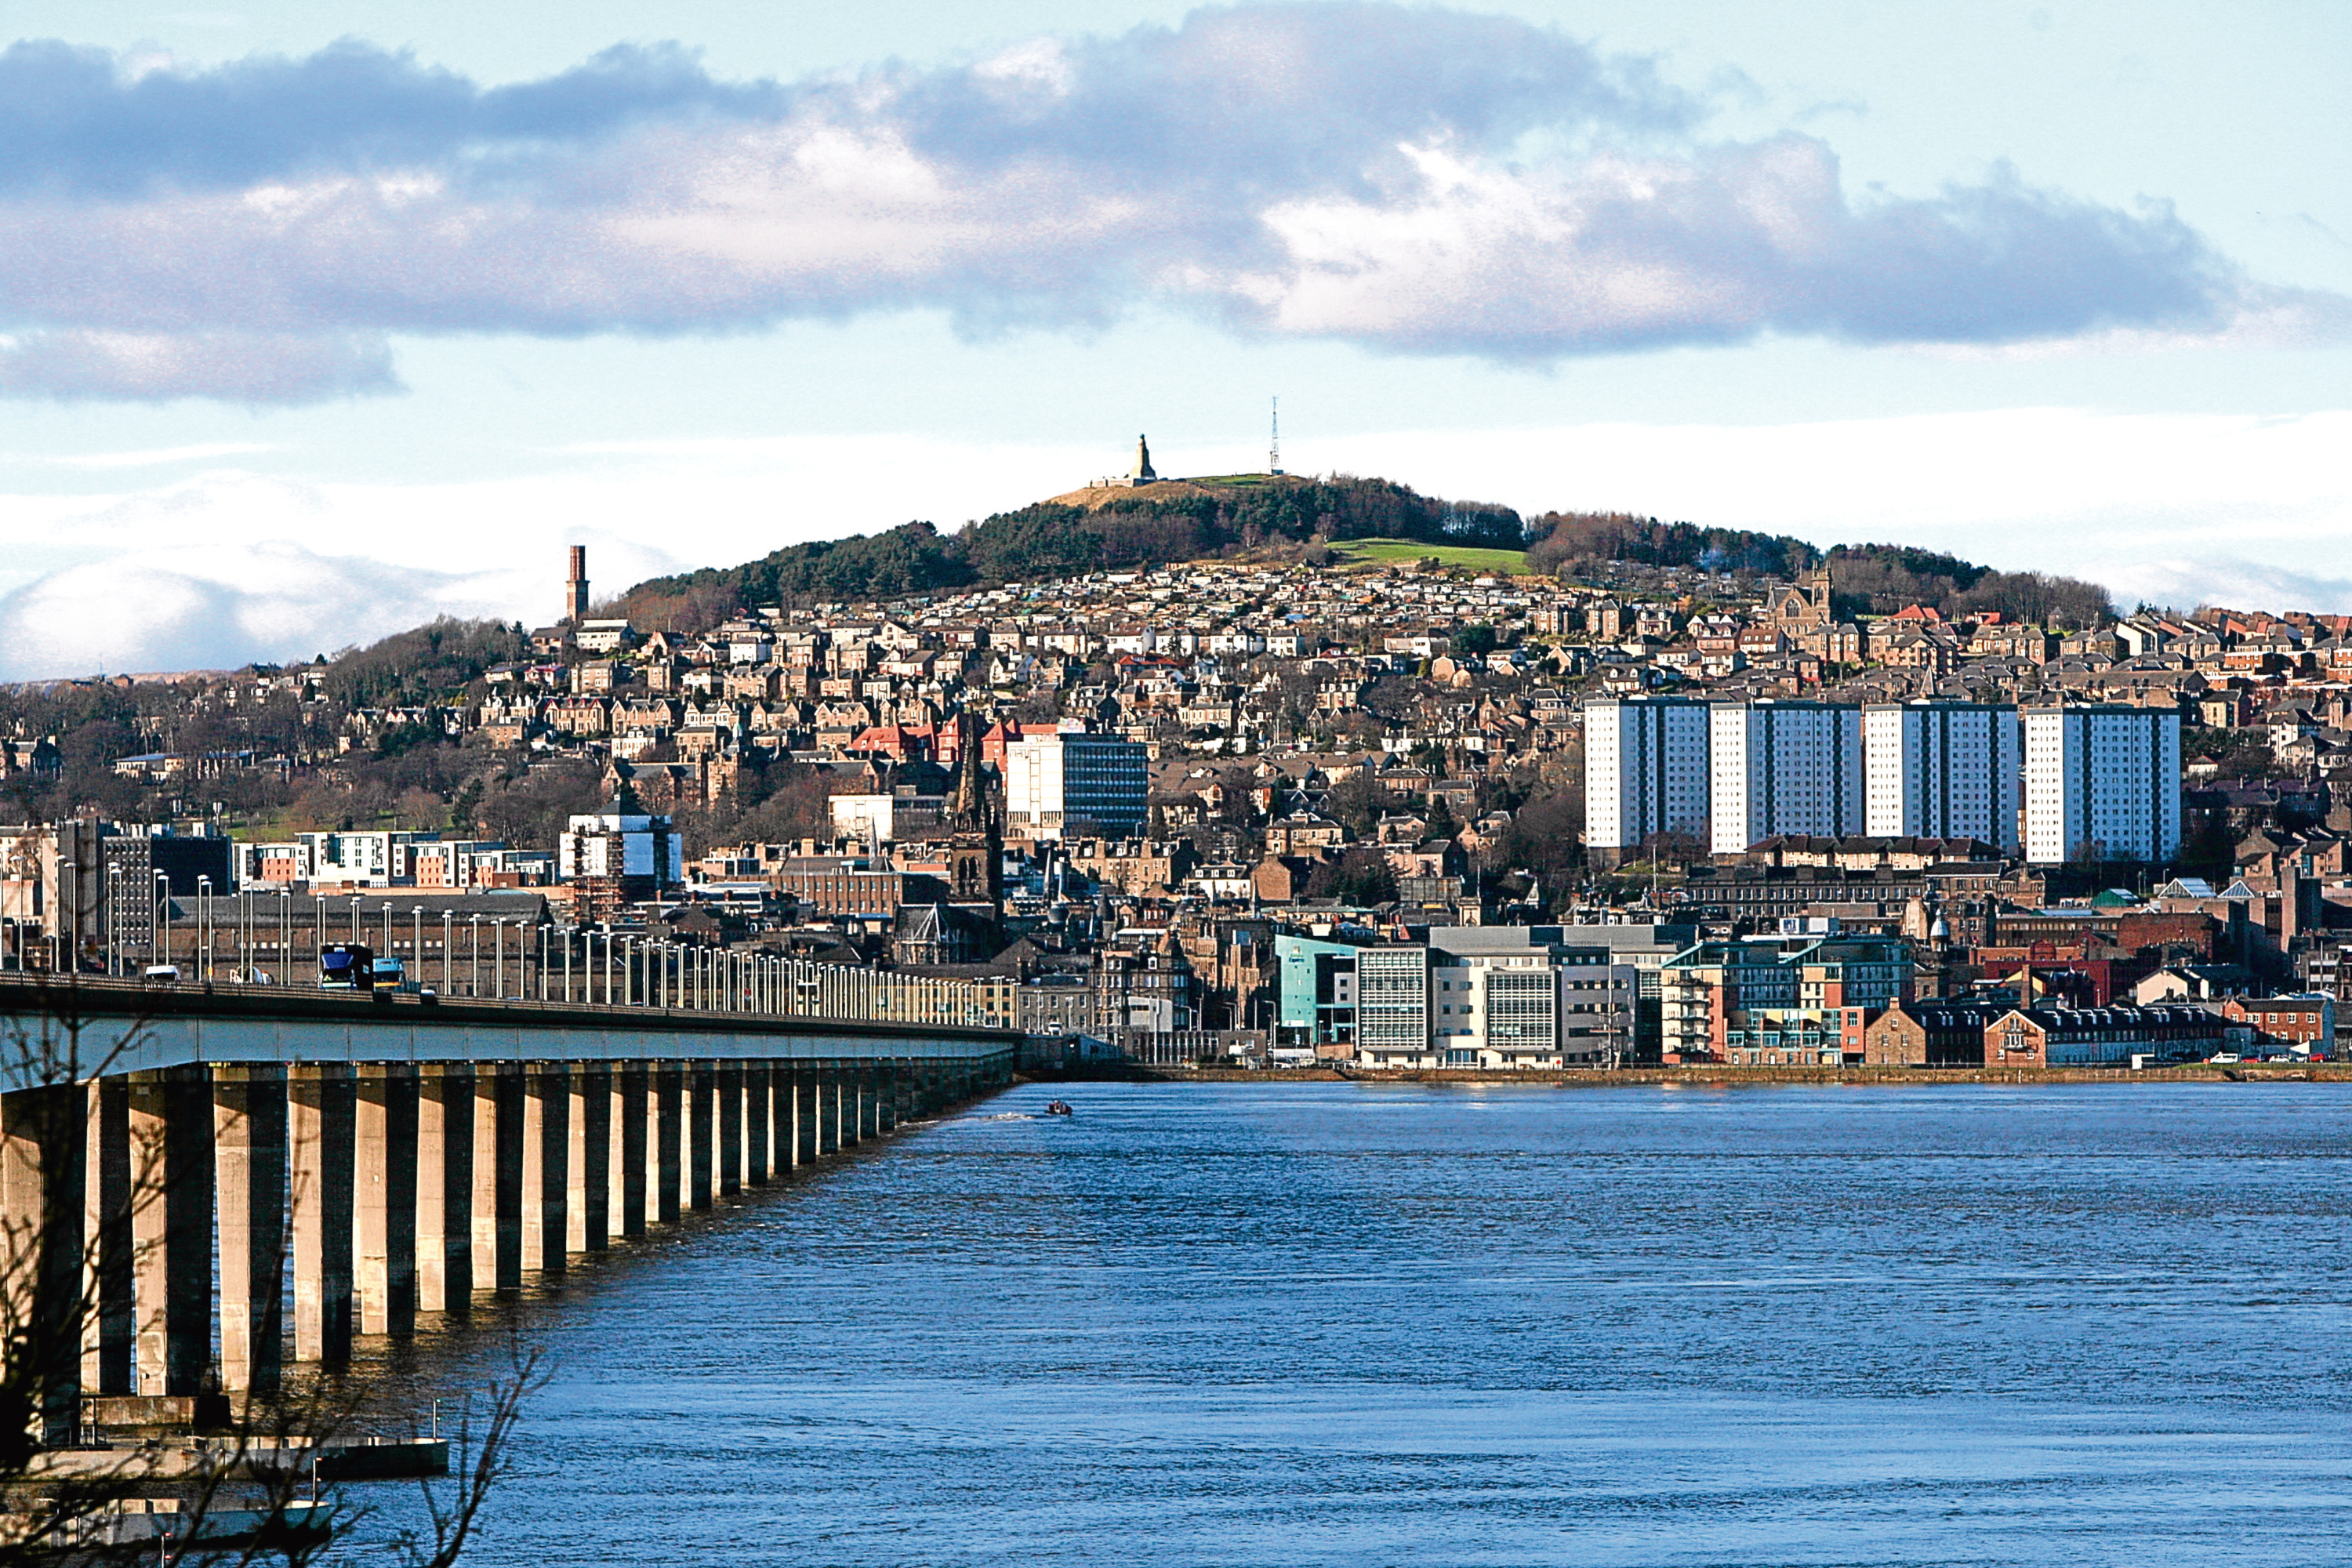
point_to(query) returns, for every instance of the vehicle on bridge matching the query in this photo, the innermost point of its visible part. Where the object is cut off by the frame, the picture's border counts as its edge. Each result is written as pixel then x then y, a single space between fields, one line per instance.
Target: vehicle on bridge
pixel 347 966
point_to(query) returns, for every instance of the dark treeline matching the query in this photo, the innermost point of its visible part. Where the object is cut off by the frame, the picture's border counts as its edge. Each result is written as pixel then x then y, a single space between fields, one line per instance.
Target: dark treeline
pixel 1052 540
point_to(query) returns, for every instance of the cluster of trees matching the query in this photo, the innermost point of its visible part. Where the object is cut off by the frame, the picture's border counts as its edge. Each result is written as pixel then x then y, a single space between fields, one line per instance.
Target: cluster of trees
pixel 1052 539
pixel 1876 579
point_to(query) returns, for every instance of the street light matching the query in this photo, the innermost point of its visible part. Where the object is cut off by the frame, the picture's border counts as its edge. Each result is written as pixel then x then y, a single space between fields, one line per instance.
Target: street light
pixel 474 958
pixel 204 963
pixel 159 929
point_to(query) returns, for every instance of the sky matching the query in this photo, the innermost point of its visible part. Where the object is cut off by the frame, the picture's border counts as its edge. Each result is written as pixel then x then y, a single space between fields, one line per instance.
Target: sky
pixel 320 320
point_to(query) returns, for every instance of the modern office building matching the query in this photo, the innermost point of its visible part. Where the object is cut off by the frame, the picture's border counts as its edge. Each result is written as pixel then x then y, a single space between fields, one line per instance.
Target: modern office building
pixel 1645 769
pixel 2102 783
pixel 1942 770
pixel 1784 767
pixel 1075 785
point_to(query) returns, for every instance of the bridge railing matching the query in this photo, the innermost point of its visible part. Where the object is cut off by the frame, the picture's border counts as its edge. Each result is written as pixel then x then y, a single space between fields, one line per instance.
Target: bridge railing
pixel 235 942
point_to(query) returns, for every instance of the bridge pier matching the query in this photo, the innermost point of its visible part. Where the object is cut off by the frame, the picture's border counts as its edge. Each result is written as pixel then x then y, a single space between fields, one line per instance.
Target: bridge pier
pixel 445 1187
pixel 627 1215
pixel 171 1242
pixel 587 1219
pixel 729 1077
pixel 701 1134
pixel 42 1168
pixel 546 1158
pixel 759 1144
pixel 321 1113
pixel 109 1333
pixel 249 1203
pixel 498 1176
pixel 666 1113
pixel 385 1190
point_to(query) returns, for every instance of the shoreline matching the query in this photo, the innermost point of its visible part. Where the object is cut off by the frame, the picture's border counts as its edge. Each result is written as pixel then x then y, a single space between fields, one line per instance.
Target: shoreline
pixel 1732 1077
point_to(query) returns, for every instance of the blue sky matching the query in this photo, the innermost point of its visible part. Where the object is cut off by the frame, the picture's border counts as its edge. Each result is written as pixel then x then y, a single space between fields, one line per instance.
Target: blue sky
pixel 321 319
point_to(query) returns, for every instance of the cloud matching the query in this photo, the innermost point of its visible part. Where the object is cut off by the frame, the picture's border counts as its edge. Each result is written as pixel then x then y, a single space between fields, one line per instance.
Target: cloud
pixel 1415 179
pixel 247 367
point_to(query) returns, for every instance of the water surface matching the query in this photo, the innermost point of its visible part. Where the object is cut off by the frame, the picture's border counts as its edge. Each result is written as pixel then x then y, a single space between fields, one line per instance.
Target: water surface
pixel 1377 1325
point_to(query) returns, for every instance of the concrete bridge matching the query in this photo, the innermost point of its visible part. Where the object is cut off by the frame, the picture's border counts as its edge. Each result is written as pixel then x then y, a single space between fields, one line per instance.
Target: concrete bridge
pixel 170 1156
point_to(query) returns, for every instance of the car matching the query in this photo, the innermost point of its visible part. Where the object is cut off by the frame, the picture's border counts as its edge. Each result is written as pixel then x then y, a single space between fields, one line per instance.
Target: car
pixel 2224 1059
pixel 161 974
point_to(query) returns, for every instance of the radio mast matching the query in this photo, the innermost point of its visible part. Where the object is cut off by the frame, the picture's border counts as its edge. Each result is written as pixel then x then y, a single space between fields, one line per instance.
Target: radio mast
pixel 1274 441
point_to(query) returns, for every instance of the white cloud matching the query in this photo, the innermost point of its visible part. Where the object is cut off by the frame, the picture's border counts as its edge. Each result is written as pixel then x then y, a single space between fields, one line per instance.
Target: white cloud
pixel 1415 179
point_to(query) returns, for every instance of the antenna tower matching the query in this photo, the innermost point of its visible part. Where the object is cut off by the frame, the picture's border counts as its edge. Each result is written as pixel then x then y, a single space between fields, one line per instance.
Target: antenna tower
pixel 1274 441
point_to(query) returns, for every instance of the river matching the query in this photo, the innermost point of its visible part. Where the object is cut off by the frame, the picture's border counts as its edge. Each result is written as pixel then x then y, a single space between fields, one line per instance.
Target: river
pixel 1298 1325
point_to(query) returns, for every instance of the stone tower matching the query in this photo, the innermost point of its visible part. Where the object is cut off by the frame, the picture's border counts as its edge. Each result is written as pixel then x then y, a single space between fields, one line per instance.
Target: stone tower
pixel 575 587
pixel 1142 473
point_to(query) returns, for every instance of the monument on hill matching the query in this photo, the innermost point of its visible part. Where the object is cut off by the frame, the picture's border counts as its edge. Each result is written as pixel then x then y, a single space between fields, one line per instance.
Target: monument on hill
pixel 1142 473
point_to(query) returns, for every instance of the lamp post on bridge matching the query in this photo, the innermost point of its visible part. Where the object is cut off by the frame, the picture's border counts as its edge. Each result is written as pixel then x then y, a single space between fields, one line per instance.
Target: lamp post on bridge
pixel 200 947
pixel 159 925
pixel 285 934
pixel 474 958
pixel 356 934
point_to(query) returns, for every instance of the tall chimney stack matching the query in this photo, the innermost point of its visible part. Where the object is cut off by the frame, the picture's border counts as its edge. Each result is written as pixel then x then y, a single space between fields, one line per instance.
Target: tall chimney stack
pixel 575 587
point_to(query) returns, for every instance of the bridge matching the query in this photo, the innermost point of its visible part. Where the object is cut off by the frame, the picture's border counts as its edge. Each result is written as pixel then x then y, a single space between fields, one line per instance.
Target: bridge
pixel 170 1155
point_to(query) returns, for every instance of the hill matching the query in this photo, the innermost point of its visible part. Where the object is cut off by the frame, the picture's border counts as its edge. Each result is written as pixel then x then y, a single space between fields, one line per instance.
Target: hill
pixel 1363 519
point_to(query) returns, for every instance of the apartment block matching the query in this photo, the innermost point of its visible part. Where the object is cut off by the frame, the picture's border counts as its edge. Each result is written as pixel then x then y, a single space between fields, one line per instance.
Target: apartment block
pixel 1645 769
pixel 1781 1002
pixel 1943 769
pixel 2102 783
pixel 1784 767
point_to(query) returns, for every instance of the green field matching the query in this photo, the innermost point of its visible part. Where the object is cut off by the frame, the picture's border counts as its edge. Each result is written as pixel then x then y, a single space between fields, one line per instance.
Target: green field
pixel 1388 551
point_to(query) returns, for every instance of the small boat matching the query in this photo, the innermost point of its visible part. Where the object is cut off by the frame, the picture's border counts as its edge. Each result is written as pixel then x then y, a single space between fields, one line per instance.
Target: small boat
pixel 1059 1107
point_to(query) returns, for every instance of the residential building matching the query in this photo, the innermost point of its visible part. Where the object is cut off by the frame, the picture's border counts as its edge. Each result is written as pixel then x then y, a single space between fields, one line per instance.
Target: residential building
pixel 1942 770
pixel 2102 783
pixel 1784 767
pixel 1781 1001
pixel 1645 769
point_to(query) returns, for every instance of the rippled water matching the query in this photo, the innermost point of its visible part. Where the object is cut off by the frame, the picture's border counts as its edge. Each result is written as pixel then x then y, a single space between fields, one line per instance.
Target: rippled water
pixel 1375 1324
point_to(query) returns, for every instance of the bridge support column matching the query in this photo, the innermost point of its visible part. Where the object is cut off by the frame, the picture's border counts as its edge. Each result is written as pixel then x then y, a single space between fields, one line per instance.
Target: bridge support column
pixel 109 1333
pixel 759 1124
pixel 700 1124
pixel 626 1214
pixel 384 1187
pixel 587 1214
pixel 498 1176
pixel 666 1112
pixel 43 1164
pixel 249 1173
pixel 791 1117
pixel 726 1079
pixel 838 1123
pixel 171 1214
pixel 445 1187
pixel 546 1165
pixel 320 1110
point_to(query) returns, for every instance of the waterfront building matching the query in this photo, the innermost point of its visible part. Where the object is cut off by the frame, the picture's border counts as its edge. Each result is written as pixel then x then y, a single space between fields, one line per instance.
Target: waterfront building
pixel 1072 784
pixel 1942 770
pixel 1645 769
pixel 1392 1007
pixel 2109 1037
pixel 1779 1001
pixel 1316 1005
pixel 1784 767
pixel 2102 783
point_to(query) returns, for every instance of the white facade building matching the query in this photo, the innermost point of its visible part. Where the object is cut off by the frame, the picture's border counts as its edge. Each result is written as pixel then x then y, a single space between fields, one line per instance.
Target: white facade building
pixel 1645 769
pixel 2102 783
pixel 1097 785
pixel 634 848
pixel 1942 770
pixel 1784 767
